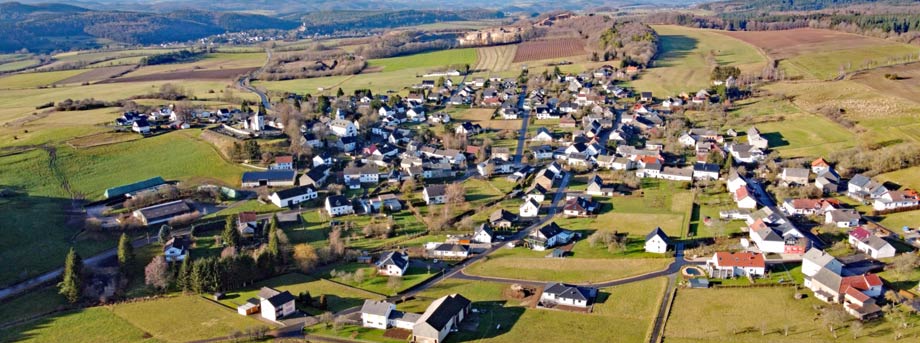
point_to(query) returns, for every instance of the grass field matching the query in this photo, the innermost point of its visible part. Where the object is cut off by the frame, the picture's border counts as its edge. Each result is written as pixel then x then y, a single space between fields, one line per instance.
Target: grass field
pixel 622 314
pixel 378 284
pixel 495 58
pixel 483 116
pixel 32 80
pixel 184 318
pixel 34 303
pixel 700 315
pixel 17 65
pixel 505 264
pixel 215 61
pixel 906 86
pixel 338 297
pixel 817 53
pixel 97 324
pixel 442 58
pixel 908 177
pixel 681 64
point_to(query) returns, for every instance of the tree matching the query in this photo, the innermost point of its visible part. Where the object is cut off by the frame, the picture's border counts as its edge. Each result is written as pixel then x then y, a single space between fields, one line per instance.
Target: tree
pixel 359 276
pixel 336 244
pixel 184 277
pixel 340 92
pixel 833 317
pixel 274 247
pixel 856 328
pixel 72 285
pixel 164 234
pixel 455 194
pixel 305 256
pixel 408 187
pixel 125 253
pixel 306 298
pixel 231 236
pixel 322 302
pixel 156 273
pixel 905 263
pixel 394 282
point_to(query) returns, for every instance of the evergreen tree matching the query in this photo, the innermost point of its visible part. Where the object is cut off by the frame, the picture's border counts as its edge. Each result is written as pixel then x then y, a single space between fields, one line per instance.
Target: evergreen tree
pixel 184 278
pixel 340 93
pixel 262 108
pixel 164 233
pixel 72 285
pixel 245 107
pixel 125 253
pixel 231 236
pixel 273 245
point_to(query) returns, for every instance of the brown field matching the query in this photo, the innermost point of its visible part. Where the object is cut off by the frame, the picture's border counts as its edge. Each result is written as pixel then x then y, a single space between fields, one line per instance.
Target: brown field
pixel 907 86
pixel 791 43
pixel 98 74
pixel 547 49
pixel 483 116
pixel 222 74
pixel 102 138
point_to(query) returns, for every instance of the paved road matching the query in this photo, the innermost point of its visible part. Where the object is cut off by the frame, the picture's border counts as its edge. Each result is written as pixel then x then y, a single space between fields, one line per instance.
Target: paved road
pixel 244 82
pixel 522 136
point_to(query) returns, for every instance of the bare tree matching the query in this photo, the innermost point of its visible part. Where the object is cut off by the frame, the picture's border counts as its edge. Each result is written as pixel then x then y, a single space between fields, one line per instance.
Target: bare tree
pixel 455 194
pixel 156 273
pixel 305 256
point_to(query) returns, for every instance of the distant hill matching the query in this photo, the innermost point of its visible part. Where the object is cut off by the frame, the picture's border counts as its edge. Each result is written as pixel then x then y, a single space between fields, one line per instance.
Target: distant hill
pixel 55 26
pixel 797 5
pixel 344 21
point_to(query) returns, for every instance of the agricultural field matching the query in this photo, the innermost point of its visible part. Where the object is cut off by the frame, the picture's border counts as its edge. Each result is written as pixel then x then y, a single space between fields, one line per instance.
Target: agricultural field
pixel 483 117
pixel 495 58
pixel 908 177
pixel 440 59
pixel 681 63
pixel 508 263
pixel 96 74
pixel 338 297
pixel 549 49
pixel 32 80
pixel 903 81
pixel 17 65
pixel 700 315
pixel 199 319
pixel 97 324
pixel 211 62
pixel 821 54
pixel 100 57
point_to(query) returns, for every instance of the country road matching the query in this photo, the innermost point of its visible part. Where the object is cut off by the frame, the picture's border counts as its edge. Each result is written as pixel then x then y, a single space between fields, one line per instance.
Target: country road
pixel 243 82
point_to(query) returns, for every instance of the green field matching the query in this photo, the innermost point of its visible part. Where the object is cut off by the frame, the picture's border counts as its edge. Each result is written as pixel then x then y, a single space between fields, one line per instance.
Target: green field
pixel 908 177
pixel 825 65
pixel 700 315
pixel 17 65
pixel 315 230
pixel 509 263
pixel 378 284
pixel 32 80
pixel 338 297
pixel 184 318
pixel 441 58
pixel 97 324
pixel 681 63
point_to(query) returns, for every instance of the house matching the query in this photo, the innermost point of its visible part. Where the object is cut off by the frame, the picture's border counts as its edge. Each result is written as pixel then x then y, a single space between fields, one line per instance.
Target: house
pixel 441 318
pixel 855 292
pixel 388 201
pixel 270 178
pixel 894 200
pixel 795 176
pixel 176 248
pixel 549 236
pixel 283 163
pixel 393 263
pixel 542 152
pixel 435 194
pixel 842 218
pixel 275 304
pixel 735 182
pixel 483 234
pixel 315 177
pixel 502 219
pixel 705 171
pixel 363 174
pixel 375 314
pixel 530 208
pixel 596 186
pixel 744 199
pixel 337 205
pixel 555 294
pixel 451 251
pixel 542 135
pixel 828 181
pixel 347 144
pixel 676 174
pixel 756 140
pixel 251 306
pixel 343 128
pixel 247 223
pixel 141 126
pixel 861 187
pixel 874 246
pixel 816 259
pixel 657 241
pixel 293 196
pixel 162 213
pixel 468 129
pixel 820 166
pixel 808 207
pixel 779 237
pixel 579 206
pixel 726 265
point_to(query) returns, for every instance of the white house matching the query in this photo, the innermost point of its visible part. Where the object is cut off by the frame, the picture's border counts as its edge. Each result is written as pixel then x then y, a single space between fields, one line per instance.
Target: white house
pixel 435 194
pixel 484 233
pixel 843 218
pixel 393 263
pixel 549 236
pixel 542 135
pixel 275 304
pixel 816 259
pixel 530 208
pixel 744 199
pixel 555 293
pixel 176 248
pixel 870 244
pixel 657 241
pixel 727 265
pixel 293 196
pixel 440 319
pixel 450 251
pixel 337 205
pixel 893 200
pixel 375 314
pixel 343 128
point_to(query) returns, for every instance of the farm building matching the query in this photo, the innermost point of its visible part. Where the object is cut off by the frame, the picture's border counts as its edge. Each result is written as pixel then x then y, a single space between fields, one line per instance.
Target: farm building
pixel 150 183
pixel 163 212
pixel 293 196
pixel 271 178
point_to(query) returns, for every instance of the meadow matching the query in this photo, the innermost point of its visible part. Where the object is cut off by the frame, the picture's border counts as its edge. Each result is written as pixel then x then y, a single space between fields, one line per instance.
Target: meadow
pixel 97 324
pixel 379 284
pixel 338 297
pixel 681 63
pixel 726 315
pixel 184 318
pixel 441 59
pixel 508 263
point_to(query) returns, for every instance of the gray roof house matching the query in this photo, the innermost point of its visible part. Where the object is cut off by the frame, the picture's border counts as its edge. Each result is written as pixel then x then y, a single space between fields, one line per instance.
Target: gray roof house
pixel 442 316
pixel 555 293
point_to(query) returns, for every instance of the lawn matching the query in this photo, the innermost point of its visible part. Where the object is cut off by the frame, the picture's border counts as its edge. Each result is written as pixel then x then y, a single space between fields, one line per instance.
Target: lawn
pixel 379 284
pixel 624 312
pixel 36 302
pixel 315 230
pixel 896 221
pixel 908 177
pixel 825 65
pixel 717 314
pixel 96 324
pixel 338 297
pixel 246 206
pixel 174 156
pixel 681 65
pixel 184 318
pixel 443 58
pixel 507 263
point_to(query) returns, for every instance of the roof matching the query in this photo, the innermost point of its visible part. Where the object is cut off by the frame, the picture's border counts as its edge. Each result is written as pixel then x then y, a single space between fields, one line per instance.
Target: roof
pixel 134 187
pixel 501 214
pixel 379 308
pixel 270 175
pixel 827 278
pixel 284 159
pixel 550 230
pixel 740 259
pixel 168 209
pixel 452 247
pixel 180 242
pixel 819 257
pixel 296 191
pixel 484 227
pixel 706 167
pixel 796 172
pixel 442 310
pixel 245 217
pixel 660 233
pixel 860 233
pixel 337 201
pixel 436 190
pixel 275 297
pixel 566 291
pixel 820 162
pixel 393 258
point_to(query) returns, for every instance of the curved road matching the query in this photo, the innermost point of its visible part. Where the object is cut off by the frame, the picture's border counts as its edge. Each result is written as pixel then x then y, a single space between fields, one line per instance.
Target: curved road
pixel 243 82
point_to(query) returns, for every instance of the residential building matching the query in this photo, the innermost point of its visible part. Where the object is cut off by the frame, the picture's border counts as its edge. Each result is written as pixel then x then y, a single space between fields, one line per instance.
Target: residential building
pixel 435 194
pixel 726 265
pixel 275 304
pixel 865 241
pixel 393 263
pixel 657 241
pixel 293 196
pixel 176 248
pixel 560 294
pixel 442 317
pixel 843 218
pixel 337 205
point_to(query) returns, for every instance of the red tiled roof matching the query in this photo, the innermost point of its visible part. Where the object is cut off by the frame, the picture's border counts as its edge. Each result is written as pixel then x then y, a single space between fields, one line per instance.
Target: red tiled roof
pixel 860 282
pixel 740 259
pixel 741 193
pixel 284 159
pixel 246 217
pixel 860 233
pixel 820 162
